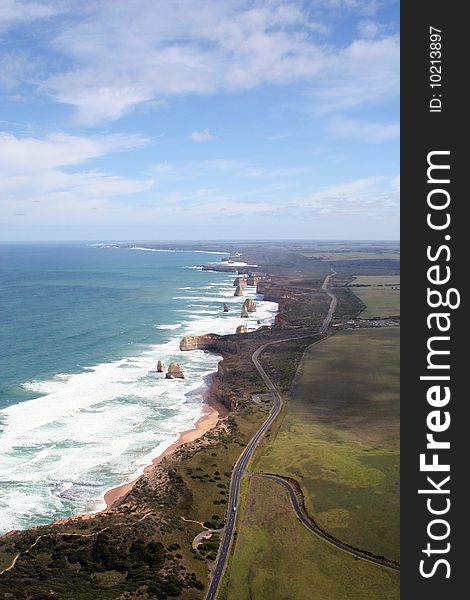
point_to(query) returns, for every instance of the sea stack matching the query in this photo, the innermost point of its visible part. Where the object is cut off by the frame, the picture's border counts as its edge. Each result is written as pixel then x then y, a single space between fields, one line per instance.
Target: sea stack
pixel 250 305
pixel 238 291
pixel 242 329
pixel 225 308
pixel 175 371
pixel 239 281
pixel 244 314
pixel 160 367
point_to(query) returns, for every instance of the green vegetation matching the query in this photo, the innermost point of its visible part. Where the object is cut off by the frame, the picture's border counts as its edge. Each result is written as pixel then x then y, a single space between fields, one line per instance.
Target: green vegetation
pixel 380 294
pixel 205 493
pixel 349 305
pixel 280 361
pixel 339 438
pixel 209 547
pixel 377 280
pixel 103 565
pixel 373 254
pixel 277 557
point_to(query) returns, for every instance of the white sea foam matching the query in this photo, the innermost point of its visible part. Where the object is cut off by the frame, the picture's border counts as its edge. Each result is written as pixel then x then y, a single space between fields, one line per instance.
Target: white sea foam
pixel 211 252
pixel 89 431
pixel 123 246
pixel 234 263
pixel 148 249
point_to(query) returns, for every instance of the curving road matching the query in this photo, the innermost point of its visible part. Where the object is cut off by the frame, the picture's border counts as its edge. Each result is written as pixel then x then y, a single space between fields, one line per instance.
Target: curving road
pixel 243 460
pixel 313 527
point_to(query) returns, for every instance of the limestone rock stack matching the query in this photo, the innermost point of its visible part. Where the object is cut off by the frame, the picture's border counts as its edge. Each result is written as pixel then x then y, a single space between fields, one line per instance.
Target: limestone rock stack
pixel 239 291
pixel 250 305
pixel 160 367
pixel 239 281
pixel 225 308
pixel 244 314
pixel 242 329
pixel 175 371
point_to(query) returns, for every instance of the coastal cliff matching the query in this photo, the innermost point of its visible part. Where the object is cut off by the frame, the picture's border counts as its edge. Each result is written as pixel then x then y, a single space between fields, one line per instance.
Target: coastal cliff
pixel 255 278
pixel 210 342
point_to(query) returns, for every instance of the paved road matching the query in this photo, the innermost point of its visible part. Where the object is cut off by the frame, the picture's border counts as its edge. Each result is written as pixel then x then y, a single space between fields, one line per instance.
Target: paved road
pixel 313 527
pixel 243 460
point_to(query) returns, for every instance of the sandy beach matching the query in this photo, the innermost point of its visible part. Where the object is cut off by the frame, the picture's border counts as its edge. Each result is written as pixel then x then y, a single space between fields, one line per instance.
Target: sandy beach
pixel 212 412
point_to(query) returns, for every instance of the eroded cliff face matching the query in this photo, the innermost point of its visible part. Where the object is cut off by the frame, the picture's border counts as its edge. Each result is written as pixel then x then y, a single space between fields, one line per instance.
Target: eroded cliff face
pixel 210 342
pixel 220 268
pixel 255 278
pixel 224 395
pixel 278 294
pixel 217 344
pixel 280 320
pixel 261 287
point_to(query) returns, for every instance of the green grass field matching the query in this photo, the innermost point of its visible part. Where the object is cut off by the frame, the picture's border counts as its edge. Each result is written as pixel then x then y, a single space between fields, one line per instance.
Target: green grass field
pixel 340 435
pixel 352 255
pixel 276 557
pixel 381 297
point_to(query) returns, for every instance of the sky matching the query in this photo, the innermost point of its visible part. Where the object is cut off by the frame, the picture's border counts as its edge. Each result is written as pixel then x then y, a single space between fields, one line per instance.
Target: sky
pixel 215 119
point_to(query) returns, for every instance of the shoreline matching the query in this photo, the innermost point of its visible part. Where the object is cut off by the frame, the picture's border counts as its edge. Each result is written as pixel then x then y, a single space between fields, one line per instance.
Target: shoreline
pixel 213 411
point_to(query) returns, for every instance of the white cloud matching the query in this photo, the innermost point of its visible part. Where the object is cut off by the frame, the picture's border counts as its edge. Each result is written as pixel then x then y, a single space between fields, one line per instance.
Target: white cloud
pixel 366 72
pixel 369 29
pixel 234 168
pixel 114 57
pixel 13 12
pixel 244 169
pixel 362 7
pixel 366 196
pixel 202 136
pixel 200 48
pixel 39 176
pixel 28 154
pixel 230 208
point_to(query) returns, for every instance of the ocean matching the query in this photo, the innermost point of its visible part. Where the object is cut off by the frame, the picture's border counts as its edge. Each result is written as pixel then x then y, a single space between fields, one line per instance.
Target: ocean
pixel 82 408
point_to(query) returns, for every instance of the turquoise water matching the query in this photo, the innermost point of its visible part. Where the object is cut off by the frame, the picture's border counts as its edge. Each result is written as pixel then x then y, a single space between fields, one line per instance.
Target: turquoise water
pixel 81 406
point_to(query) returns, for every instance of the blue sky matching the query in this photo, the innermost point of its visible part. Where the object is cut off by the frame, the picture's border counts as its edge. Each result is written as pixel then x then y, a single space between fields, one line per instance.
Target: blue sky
pixel 213 119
